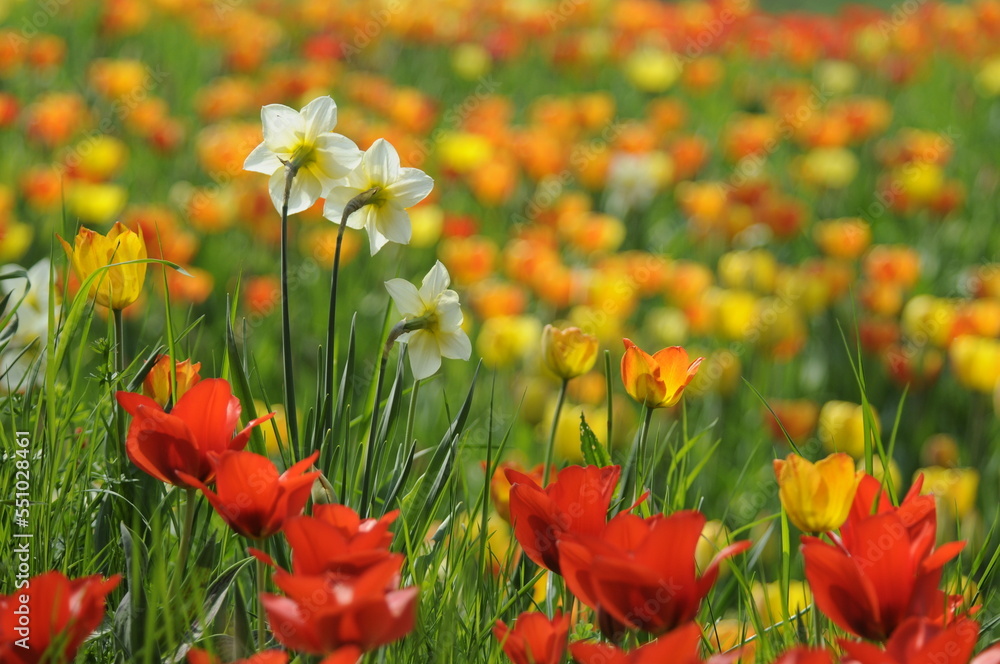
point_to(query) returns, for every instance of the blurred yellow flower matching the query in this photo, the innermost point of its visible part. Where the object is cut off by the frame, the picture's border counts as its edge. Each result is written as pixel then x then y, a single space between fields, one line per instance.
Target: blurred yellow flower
pixel 652 70
pixel 504 340
pixel 954 488
pixel 95 202
pixel 842 427
pixel 768 601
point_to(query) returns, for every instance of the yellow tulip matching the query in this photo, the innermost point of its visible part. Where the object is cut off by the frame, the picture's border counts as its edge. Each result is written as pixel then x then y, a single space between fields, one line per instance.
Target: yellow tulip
pixel 817 497
pixel 568 353
pixel 119 286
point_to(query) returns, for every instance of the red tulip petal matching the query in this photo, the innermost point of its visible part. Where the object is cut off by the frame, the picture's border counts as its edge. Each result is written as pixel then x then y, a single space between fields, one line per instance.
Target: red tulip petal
pixel 211 412
pixel 840 591
pixel 864 653
pixel 597 653
pixel 345 655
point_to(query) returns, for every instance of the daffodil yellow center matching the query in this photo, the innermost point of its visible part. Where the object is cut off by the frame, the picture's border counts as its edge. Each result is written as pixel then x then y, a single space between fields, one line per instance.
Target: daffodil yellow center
pixel 303 155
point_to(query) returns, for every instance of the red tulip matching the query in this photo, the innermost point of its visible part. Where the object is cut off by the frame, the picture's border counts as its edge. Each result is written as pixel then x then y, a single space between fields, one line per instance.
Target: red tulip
pixel 336 540
pixel 883 568
pixel 641 573
pixel 324 614
pixel 49 618
pixel 251 497
pixel 921 641
pixel 678 647
pixel 197 656
pixel 803 655
pixel 201 423
pixel 535 639
pixel 576 502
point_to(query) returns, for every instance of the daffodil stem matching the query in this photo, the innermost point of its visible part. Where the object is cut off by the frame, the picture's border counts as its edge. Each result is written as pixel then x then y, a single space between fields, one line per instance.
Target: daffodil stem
pixel 366 480
pixel 552 433
pixel 352 206
pixel 261 589
pixel 286 326
pixel 191 495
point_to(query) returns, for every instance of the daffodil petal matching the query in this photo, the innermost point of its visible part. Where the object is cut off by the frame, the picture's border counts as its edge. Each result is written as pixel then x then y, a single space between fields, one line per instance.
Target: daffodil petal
pixel 393 223
pixel 410 188
pixel 262 160
pixel 284 128
pixel 455 345
pixel 381 162
pixel 336 155
pixel 425 356
pixel 306 190
pixel 435 281
pixel 405 296
pixel 320 116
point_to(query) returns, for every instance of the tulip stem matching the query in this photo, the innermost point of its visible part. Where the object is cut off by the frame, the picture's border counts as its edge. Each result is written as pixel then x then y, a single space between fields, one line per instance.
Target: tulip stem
pixel 286 327
pixel 352 206
pixel 640 451
pixel 191 495
pixel 552 433
pixel 261 589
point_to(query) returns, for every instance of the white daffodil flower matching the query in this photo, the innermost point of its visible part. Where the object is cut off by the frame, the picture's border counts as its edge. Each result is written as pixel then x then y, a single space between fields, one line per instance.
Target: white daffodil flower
pixel 395 189
pixel 305 140
pixel 434 320
pixel 22 341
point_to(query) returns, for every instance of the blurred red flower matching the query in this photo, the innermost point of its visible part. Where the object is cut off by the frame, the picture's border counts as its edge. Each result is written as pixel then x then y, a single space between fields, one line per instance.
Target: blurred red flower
pixel 324 614
pixel 920 641
pixel 534 639
pixel 63 612
pixel 198 656
pixel 680 646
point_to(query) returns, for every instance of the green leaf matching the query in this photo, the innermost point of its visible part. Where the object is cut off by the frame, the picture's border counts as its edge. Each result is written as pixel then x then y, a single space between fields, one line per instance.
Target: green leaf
pixel 594 453
pixel 129 618
pixel 420 503
pixel 214 601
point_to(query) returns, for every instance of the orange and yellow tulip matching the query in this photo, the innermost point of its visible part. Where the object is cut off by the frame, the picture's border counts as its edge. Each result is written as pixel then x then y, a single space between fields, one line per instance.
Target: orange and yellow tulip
pixel 658 380
pixel 156 385
pixel 817 496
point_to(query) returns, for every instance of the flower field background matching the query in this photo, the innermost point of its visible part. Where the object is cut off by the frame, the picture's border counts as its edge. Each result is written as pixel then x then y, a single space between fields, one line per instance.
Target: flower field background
pixel 497 214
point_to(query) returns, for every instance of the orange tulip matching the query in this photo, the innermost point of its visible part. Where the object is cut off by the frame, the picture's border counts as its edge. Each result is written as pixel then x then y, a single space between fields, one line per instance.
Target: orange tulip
pixel 658 380
pixel 156 386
